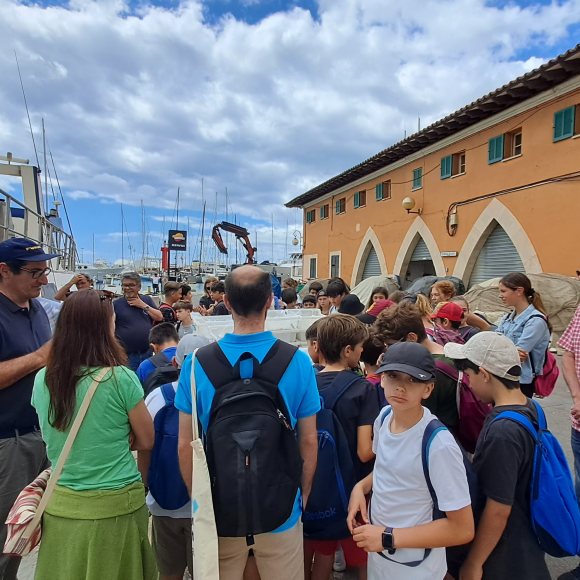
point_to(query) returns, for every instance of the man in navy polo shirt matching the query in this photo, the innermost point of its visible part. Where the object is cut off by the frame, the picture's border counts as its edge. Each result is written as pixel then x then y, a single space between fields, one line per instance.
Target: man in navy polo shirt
pixel 24 344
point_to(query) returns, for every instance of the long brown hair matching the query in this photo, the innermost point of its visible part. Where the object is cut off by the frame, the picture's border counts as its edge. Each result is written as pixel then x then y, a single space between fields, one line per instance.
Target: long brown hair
pixel 515 280
pixel 83 338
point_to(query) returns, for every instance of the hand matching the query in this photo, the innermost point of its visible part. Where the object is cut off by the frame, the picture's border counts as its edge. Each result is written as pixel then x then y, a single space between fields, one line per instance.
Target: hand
pixel 523 355
pixel 575 410
pixel 131 440
pixel 74 280
pixel 137 302
pixel 357 504
pixel 42 353
pixel 470 571
pixel 369 537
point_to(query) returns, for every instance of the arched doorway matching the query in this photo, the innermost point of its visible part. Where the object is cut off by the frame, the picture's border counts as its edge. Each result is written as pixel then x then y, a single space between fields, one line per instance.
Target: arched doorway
pixel 372 265
pixel 420 264
pixel 497 257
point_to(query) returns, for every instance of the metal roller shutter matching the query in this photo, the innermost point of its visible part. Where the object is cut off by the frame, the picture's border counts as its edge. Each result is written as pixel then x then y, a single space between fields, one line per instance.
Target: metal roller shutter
pixel 421 252
pixel 497 257
pixel 372 265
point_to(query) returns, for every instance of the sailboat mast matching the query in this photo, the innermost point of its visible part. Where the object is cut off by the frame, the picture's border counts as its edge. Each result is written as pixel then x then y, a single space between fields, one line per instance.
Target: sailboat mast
pixel 143 267
pixel 201 239
pixel 122 237
pixel 45 170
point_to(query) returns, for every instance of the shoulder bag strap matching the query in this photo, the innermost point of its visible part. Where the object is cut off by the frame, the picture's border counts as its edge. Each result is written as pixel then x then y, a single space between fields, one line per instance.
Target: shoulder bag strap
pixel 194 421
pixel 56 472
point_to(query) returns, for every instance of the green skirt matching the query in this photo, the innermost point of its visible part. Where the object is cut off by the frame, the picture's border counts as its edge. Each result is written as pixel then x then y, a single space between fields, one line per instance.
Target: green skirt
pixel 96 535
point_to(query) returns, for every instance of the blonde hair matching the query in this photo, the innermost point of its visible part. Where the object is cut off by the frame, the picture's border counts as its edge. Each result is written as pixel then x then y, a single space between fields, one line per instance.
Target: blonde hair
pixel 423 305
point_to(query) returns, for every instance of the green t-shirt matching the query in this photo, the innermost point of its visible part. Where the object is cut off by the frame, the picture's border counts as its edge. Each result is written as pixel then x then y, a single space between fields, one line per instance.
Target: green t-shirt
pixel 100 457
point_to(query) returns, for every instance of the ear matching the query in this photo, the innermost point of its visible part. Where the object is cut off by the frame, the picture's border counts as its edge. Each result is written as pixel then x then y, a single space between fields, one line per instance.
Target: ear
pixel 485 374
pixel 428 390
pixel 412 337
pixel 174 362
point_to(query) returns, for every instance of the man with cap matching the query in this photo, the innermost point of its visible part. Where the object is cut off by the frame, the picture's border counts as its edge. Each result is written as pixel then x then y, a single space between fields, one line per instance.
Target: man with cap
pixel 505 546
pixel 24 345
pixel 398 531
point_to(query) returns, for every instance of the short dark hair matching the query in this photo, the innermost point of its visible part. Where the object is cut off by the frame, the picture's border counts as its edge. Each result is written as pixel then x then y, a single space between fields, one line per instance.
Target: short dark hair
pixel 289 296
pixel 185 289
pixel 464 364
pixel 162 333
pixel 455 324
pixel 183 305
pixel 310 299
pixel 171 287
pixel 336 287
pixel 372 349
pixel 316 286
pixel 250 297
pixel 312 330
pixel 218 287
pixel 397 322
pixel 338 331
pixel 15 266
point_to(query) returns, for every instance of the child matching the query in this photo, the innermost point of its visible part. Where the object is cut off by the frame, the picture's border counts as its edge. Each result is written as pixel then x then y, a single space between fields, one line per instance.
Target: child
pixel 505 546
pixel 163 339
pixel 448 316
pixel 339 341
pixel 290 298
pixel 217 292
pixel 372 350
pixel 324 302
pixel 314 288
pixel 378 293
pixel 398 529
pixel 183 310
pixel 309 301
pixel 312 342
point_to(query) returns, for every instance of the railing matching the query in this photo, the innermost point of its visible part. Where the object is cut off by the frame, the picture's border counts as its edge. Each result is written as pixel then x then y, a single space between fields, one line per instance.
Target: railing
pixel 38 228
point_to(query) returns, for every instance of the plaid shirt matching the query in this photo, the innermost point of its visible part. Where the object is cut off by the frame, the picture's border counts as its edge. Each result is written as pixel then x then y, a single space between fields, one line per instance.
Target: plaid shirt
pixel 570 341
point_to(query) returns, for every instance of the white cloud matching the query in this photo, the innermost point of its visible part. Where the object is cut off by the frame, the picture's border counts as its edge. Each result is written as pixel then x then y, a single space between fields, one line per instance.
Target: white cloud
pixel 137 105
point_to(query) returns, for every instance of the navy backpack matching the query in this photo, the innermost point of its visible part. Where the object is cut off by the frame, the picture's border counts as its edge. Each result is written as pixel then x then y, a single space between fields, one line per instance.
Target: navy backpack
pixel 324 516
pixel 554 507
pixel 164 477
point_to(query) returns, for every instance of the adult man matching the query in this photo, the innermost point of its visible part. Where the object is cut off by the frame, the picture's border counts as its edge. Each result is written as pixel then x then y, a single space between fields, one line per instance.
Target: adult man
pixel 155 283
pixel 570 342
pixel 24 345
pixel 171 293
pixel 279 553
pixel 134 315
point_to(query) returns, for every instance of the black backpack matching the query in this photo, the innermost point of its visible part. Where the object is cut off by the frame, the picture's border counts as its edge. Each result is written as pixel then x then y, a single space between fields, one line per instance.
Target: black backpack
pixel 252 451
pixel 164 373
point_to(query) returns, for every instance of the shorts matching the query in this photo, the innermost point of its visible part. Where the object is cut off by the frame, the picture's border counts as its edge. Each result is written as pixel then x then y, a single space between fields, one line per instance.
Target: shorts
pixel 172 545
pixel 355 557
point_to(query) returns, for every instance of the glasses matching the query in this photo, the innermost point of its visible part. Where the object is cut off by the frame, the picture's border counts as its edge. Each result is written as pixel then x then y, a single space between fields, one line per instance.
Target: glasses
pixel 36 274
pixel 132 285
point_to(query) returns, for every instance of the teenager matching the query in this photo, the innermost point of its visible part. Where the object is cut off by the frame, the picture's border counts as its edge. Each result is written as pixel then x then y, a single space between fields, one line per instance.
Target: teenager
pixel 398 531
pixel 505 546
pixel 183 310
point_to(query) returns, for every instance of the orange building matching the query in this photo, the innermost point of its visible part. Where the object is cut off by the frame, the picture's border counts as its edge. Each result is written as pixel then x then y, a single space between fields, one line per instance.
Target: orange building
pixel 489 189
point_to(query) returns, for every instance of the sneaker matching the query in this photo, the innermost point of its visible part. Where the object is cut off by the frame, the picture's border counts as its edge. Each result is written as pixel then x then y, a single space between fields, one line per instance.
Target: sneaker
pixel 339 561
pixel 571 575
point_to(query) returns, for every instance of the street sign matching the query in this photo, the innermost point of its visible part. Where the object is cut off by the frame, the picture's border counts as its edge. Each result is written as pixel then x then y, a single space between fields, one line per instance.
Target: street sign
pixel 177 240
pixel 448 254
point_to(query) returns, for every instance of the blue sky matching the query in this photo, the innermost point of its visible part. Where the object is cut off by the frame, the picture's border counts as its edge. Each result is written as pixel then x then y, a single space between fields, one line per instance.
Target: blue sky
pixel 266 98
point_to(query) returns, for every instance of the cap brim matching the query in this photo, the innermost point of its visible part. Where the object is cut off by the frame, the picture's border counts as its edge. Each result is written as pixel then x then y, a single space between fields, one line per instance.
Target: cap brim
pixel 454 350
pixel 40 257
pixel 415 372
pixel 367 318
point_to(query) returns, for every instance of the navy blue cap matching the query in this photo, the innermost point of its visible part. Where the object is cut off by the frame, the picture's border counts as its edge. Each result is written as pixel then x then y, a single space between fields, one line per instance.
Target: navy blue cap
pixel 411 358
pixel 23 250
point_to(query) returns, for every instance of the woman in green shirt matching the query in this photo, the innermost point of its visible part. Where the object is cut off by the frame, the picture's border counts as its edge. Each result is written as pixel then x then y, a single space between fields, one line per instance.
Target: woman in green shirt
pixel 95 525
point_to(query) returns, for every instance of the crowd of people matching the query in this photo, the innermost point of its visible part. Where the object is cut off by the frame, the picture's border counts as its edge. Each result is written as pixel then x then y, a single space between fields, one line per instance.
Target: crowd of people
pixel 351 452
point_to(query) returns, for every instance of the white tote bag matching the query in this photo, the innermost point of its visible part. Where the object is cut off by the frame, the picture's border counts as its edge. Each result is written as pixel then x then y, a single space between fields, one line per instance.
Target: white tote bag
pixel 204 531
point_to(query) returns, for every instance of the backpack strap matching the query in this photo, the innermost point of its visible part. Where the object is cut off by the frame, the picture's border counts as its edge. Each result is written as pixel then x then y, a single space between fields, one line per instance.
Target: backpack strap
pixel 216 365
pixel 275 362
pixel 384 414
pixel 341 383
pixel 159 360
pixel 168 393
pixel 521 419
pixel 433 427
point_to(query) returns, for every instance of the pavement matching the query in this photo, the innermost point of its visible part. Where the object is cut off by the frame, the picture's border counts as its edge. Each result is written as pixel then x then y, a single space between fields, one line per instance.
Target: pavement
pixel 557 408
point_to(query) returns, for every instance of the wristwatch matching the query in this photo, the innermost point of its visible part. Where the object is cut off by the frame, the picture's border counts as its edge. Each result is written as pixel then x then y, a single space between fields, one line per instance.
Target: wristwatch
pixel 146 309
pixel 389 541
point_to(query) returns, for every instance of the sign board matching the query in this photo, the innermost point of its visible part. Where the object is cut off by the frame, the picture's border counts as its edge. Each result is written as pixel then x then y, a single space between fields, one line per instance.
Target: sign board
pixel 448 254
pixel 177 240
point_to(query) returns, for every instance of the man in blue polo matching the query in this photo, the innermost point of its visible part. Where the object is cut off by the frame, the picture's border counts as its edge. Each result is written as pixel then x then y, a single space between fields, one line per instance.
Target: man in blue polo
pixel 24 344
pixel 278 553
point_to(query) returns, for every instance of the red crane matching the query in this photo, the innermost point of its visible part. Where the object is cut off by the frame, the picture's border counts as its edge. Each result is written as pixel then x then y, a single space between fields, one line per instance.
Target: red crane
pixel 242 234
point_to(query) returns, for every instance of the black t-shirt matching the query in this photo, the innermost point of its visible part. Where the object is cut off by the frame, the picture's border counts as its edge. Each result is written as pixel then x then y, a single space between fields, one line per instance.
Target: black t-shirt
pixel 220 309
pixel 358 406
pixel 443 400
pixel 168 313
pixel 503 462
pixel 205 301
pixel 132 324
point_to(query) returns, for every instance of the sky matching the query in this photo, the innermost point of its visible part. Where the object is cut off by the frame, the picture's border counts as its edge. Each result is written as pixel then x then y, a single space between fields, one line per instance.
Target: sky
pixel 262 99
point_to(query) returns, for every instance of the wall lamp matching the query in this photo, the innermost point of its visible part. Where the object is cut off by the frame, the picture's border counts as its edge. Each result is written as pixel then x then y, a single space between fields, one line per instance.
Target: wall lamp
pixel 409 204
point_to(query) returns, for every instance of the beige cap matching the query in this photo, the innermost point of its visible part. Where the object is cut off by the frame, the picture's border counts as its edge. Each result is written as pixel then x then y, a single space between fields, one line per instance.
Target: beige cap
pixel 493 352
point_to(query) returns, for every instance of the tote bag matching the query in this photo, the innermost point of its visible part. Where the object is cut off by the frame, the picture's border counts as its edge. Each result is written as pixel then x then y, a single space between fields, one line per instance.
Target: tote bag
pixel 204 531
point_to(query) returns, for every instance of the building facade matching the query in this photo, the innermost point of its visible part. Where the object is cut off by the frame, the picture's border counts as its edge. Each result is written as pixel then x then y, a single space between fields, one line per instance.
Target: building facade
pixel 492 188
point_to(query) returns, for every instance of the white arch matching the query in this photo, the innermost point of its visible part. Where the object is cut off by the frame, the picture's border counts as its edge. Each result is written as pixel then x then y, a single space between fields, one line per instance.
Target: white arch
pixel 418 229
pixel 495 212
pixel 370 240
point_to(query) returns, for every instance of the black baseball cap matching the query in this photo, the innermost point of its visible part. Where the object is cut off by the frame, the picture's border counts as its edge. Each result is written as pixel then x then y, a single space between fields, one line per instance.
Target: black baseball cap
pixel 411 358
pixel 23 250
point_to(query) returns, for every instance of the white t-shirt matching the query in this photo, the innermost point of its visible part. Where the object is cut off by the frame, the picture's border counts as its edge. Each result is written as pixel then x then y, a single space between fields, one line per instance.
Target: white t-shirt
pixel 155 402
pixel 401 498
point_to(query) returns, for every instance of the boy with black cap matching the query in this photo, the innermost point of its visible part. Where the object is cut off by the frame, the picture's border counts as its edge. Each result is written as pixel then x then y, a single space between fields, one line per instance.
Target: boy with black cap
pixel 505 546
pixel 398 531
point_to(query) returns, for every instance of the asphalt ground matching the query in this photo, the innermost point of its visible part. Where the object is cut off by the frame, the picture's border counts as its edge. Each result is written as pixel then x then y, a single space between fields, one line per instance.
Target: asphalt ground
pixel 557 408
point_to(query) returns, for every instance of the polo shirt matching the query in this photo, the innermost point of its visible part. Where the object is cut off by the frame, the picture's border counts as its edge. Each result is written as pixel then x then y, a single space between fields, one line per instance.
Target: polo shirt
pixel 132 324
pixel 22 331
pixel 297 387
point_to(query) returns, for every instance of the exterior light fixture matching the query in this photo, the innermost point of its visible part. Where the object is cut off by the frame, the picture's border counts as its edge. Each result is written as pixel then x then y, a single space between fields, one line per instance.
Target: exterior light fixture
pixel 408 204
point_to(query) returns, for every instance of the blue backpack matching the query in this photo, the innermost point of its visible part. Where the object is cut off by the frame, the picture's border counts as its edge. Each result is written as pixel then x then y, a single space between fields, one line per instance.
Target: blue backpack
pixel 164 477
pixel 324 516
pixel 554 507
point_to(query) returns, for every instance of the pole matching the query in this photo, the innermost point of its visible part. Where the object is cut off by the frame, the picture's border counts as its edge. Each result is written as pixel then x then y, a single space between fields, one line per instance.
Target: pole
pixel 122 238
pixel 201 242
pixel 176 227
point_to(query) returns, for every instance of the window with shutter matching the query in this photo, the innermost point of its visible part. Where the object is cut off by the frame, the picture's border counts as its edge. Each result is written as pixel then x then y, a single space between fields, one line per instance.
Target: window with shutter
pixel 418 178
pixel 564 123
pixel 495 149
pixel 446 167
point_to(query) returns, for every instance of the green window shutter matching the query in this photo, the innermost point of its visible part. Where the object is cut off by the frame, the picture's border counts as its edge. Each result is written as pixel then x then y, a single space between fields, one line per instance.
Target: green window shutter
pixel 379 191
pixel 495 149
pixel 417 178
pixel 322 213
pixel 337 206
pixel 357 199
pixel 564 124
pixel 446 167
